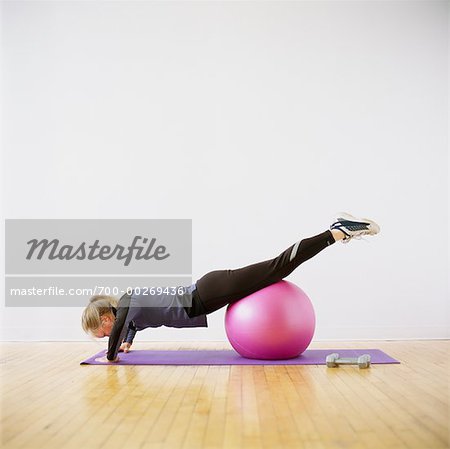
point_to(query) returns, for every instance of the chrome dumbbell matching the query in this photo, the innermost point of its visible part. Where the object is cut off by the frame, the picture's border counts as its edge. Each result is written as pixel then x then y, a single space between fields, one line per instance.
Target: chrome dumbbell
pixel 333 361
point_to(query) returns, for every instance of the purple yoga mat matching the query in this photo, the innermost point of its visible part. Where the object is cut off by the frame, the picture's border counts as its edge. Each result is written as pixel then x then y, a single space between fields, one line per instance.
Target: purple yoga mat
pixel 231 357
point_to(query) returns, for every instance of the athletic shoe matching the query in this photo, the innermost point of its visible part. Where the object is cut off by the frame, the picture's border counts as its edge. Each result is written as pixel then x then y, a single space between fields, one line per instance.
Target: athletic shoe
pixel 354 227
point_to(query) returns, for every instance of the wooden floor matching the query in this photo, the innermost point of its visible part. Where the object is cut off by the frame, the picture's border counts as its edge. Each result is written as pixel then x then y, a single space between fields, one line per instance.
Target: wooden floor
pixel 50 401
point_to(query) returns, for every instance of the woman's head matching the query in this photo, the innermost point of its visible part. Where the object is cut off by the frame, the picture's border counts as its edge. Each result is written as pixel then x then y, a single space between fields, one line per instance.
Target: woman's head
pixel 98 318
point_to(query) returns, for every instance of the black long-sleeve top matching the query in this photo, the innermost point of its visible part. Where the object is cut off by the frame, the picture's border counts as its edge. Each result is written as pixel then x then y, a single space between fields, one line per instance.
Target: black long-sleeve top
pixel 139 311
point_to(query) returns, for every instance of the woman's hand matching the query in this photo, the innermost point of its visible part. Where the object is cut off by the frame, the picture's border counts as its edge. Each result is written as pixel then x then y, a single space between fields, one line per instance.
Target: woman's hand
pixel 105 360
pixel 125 347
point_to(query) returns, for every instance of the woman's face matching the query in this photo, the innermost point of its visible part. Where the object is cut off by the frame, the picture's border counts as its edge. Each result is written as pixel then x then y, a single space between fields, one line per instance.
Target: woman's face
pixel 105 329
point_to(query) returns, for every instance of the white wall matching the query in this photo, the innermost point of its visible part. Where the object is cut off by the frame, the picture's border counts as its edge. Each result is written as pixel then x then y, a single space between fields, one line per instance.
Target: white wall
pixel 258 120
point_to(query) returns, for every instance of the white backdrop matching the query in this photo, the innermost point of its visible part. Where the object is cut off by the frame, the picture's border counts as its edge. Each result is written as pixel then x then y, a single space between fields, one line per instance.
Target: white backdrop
pixel 258 120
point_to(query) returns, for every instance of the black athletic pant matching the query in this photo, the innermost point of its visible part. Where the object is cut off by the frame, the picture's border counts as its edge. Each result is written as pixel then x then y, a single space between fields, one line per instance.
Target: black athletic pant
pixel 218 288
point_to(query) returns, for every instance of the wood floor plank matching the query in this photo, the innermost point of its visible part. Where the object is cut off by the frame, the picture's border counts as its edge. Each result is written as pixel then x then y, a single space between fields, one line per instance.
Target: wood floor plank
pixel 201 406
pixel 233 416
pixel 214 432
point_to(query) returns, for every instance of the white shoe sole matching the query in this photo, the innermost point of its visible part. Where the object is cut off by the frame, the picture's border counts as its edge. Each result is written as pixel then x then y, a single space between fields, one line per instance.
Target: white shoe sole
pixel 374 227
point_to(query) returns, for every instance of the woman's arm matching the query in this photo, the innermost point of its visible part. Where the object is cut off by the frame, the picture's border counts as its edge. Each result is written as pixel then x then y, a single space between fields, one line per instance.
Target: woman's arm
pixel 123 318
pixel 131 333
pixel 126 344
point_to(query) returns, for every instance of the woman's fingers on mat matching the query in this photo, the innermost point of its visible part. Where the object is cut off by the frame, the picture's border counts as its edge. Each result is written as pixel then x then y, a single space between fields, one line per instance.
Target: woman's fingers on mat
pixel 124 347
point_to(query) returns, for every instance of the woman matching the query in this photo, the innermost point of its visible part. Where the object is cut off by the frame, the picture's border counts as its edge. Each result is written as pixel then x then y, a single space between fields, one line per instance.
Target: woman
pixel 120 320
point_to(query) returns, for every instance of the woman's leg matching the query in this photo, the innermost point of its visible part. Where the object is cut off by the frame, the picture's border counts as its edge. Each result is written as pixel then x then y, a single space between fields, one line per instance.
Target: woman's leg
pixel 221 287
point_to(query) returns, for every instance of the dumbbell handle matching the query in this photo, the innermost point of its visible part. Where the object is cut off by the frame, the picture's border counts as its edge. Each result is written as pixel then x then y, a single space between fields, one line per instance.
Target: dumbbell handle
pixel 347 361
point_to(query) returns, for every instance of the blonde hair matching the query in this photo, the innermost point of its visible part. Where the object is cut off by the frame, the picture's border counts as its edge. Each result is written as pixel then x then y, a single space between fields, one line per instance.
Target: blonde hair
pixel 98 306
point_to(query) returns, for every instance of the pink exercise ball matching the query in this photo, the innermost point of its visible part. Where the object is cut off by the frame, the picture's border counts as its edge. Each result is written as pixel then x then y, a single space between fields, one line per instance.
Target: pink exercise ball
pixel 276 322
